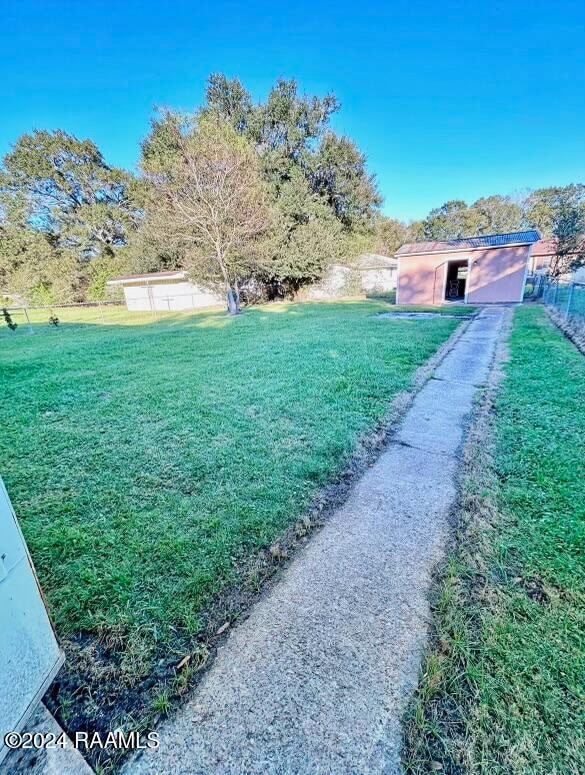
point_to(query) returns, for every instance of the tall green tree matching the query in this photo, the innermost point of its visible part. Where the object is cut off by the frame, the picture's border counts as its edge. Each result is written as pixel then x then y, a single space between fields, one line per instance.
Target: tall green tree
pixel 207 198
pixel 288 125
pixel 305 238
pixel 568 229
pixel 337 171
pixel 497 215
pixel 291 131
pixel 307 167
pixel 230 100
pixel 450 221
pixel 542 205
pixel 32 267
pixel 62 207
pixel 73 195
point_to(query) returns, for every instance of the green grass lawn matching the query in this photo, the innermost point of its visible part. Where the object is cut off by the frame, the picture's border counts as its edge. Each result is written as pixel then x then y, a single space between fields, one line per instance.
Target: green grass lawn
pixel 503 690
pixel 147 459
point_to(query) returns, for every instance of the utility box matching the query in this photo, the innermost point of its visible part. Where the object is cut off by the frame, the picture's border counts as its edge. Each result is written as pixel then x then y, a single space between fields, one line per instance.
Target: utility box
pixel 30 656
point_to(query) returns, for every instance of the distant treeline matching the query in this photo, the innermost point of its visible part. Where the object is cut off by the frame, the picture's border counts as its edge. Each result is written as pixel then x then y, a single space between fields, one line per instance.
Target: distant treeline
pixel 234 191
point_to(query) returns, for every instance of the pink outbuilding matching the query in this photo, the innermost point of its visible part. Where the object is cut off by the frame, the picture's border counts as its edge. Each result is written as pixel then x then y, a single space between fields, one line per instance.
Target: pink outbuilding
pixel 488 269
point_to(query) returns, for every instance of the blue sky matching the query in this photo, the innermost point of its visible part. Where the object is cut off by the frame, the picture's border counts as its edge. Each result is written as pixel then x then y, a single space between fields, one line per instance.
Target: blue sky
pixel 448 99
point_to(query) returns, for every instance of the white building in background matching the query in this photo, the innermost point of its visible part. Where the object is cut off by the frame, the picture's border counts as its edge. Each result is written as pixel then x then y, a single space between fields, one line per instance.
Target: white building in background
pixel 165 292
pixel 378 273
pixel 371 274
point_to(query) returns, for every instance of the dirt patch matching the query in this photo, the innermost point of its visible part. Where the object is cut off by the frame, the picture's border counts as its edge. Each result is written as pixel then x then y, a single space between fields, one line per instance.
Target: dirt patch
pixel 88 695
pixel 535 590
pixel 418 315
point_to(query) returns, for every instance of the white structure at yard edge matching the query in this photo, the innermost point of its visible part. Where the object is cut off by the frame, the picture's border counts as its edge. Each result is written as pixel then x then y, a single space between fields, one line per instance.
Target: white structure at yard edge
pixel 165 292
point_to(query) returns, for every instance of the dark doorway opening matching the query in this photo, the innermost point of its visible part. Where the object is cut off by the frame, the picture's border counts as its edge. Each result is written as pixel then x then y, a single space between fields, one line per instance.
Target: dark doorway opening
pixel 456 284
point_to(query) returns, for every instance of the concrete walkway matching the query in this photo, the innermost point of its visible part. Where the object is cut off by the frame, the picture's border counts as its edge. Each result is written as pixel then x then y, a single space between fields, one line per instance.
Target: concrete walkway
pixel 59 760
pixel 316 679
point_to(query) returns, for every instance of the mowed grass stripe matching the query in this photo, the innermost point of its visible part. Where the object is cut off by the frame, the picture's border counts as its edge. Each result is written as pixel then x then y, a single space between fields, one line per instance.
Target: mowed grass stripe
pixel 146 458
pixel 503 689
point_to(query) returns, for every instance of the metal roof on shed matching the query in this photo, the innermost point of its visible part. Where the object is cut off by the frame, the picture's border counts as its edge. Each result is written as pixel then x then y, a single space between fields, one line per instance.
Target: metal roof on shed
pixel 527 237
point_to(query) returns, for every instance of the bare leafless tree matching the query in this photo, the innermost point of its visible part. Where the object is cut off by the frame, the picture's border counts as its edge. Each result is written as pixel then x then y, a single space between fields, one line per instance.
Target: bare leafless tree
pixel 208 198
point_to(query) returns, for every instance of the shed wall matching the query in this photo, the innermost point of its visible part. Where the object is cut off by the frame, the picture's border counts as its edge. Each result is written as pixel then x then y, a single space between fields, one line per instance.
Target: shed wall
pixel 496 275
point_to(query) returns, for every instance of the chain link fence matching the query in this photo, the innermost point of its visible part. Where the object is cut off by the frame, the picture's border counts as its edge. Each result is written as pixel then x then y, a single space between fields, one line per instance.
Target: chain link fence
pixel 567 298
pixel 141 307
pixel 29 319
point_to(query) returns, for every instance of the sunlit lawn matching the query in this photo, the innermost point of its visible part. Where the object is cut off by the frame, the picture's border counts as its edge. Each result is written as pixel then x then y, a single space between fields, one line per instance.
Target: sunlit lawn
pixel 503 690
pixel 145 458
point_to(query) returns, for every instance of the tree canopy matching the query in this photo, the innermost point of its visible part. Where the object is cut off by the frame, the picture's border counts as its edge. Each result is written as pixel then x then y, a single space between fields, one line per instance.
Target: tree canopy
pixel 538 209
pixel 69 221
pixel 488 215
pixel 567 223
pixel 292 132
pixel 71 193
pixel 61 207
pixel 206 196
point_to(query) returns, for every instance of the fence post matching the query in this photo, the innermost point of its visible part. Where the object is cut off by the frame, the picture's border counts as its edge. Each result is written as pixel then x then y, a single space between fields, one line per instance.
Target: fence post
pixel 556 293
pixel 151 299
pixel 569 300
pixel 30 328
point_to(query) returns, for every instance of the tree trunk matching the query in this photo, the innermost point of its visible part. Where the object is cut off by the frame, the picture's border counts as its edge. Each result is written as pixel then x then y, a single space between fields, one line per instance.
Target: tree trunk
pixel 231 300
pixel 238 301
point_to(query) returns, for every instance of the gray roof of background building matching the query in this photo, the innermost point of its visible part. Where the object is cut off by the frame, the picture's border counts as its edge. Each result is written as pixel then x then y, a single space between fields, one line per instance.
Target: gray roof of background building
pixel 527 237
pixel 173 274
pixel 376 261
